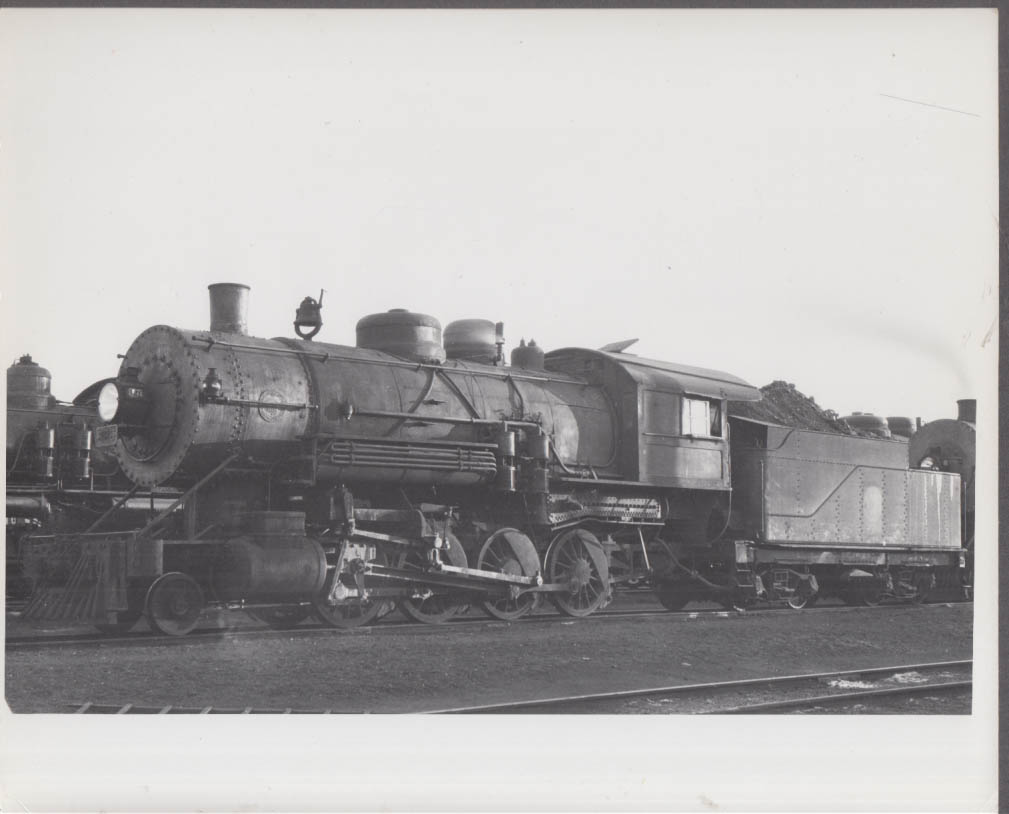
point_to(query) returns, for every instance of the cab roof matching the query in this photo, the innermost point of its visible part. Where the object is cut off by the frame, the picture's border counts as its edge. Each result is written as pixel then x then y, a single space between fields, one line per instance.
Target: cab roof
pixel 668 377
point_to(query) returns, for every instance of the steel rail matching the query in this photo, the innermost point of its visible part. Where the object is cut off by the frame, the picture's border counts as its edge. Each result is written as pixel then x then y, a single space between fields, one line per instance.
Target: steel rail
pixel 841 698
pixel 836 698
pixel 387 626
pixel 544 704
pixel 207 635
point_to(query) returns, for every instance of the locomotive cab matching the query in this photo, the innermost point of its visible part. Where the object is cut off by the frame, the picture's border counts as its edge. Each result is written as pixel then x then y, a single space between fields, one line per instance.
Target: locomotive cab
pixel 672 418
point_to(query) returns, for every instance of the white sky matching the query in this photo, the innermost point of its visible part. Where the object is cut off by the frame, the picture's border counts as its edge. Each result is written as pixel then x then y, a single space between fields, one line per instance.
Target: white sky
pixel 738 189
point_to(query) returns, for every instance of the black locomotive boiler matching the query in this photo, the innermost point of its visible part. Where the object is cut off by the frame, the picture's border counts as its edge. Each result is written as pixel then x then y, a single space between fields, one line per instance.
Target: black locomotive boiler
pixel 334 480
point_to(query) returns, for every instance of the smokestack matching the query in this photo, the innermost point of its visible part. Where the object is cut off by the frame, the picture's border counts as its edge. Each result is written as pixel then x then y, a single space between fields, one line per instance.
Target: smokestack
pixel 967 410
pixel 229 305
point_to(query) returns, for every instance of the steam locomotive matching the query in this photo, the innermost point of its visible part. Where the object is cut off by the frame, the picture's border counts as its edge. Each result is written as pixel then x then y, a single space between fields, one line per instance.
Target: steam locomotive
pixel 950 445
pixel 57 481
pixel 424 471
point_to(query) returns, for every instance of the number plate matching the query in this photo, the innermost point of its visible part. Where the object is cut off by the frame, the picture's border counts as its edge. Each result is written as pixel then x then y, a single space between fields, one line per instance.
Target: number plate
pixel 106 436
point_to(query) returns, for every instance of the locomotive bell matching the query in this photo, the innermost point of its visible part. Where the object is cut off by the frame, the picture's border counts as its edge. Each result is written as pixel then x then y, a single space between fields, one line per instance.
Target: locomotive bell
pixel 308 317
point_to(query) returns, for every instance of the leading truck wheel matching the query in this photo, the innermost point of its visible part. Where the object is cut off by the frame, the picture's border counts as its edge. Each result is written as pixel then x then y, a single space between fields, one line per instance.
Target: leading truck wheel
pixel 576 560
pixel 174 604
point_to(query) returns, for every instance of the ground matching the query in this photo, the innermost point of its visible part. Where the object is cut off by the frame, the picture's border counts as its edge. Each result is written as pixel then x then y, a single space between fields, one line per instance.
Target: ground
pixel 429 667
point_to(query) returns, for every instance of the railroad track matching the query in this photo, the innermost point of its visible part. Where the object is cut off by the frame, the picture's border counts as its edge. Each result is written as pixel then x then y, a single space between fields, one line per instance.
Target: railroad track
pixel 311 629
pixel 209 635
pixel 810 692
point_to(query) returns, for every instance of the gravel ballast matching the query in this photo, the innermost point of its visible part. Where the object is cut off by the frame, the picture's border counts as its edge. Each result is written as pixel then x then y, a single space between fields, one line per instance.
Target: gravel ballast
pixel 425 668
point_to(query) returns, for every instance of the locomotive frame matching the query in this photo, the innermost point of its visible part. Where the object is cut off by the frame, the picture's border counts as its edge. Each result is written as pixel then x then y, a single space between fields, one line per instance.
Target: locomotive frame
pixel 336 481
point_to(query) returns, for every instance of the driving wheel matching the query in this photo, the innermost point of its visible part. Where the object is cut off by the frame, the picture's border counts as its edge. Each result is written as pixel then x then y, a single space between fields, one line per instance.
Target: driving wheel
pixel 441 605
pixel 576 561
pixel 351 612
pixel 499 554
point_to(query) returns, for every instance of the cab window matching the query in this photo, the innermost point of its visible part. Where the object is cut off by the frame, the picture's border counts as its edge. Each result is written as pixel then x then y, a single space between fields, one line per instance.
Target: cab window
pixel 701 417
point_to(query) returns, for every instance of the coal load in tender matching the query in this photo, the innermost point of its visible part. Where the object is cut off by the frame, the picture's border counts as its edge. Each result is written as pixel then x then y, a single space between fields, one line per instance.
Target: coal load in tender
pixel 783 404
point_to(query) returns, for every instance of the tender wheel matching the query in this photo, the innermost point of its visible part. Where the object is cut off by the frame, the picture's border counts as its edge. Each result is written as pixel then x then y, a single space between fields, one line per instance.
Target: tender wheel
pixel 439 607
pixel 124 623
pixel 671 597
pixel 499 554
pixel 174 604
pixel 576 560
pixel 281 618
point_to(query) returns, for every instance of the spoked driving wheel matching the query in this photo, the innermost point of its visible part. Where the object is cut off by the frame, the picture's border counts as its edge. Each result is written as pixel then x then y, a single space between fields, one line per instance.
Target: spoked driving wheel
pixel 576 560
pixel 441 605
pixel 174 604
pixel 351 612
pixel 504 552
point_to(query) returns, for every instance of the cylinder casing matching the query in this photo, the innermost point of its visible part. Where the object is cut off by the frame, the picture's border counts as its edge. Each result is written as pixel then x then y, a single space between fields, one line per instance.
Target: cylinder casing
pixel 272 561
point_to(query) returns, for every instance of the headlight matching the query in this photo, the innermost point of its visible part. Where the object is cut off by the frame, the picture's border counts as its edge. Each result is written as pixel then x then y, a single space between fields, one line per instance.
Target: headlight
pixel 124 401
pixel 108 401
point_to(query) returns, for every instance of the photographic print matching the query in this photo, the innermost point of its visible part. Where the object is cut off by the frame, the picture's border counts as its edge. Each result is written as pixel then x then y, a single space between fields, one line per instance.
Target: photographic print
pixel 603 371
